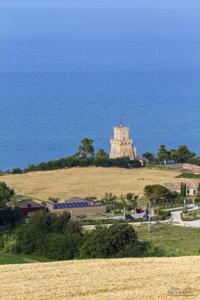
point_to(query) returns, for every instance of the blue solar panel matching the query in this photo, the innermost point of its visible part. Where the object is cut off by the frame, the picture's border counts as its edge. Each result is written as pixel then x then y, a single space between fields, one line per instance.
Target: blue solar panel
pixel 71 205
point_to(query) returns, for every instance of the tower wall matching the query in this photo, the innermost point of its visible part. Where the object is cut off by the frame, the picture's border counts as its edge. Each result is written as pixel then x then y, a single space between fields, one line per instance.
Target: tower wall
pixel 121 144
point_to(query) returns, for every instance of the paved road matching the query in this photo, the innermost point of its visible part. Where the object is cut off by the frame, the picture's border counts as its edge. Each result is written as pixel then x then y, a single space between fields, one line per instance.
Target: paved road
pixel 90 227
pixel 176 220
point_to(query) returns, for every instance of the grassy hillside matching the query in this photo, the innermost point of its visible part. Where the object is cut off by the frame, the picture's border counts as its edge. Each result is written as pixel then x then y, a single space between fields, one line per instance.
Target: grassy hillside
pixel 174 240
pixel 86 181
pixel 149 278
pixel 7 258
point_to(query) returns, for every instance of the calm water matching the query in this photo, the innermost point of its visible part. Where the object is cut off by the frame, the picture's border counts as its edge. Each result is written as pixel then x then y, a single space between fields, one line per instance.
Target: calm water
pixel 67 72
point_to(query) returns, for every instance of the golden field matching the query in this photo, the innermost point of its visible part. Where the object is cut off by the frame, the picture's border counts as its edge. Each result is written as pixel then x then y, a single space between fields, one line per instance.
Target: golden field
pixel 86 181
pixel 122 279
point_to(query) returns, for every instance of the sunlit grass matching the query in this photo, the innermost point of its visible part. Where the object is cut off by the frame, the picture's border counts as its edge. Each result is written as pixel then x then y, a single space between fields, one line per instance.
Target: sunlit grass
pixel 86 181
pixel 149 278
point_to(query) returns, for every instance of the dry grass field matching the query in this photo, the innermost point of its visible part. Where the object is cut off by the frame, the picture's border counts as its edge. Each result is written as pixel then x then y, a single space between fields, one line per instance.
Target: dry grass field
pixel 86 181
pixel 149 278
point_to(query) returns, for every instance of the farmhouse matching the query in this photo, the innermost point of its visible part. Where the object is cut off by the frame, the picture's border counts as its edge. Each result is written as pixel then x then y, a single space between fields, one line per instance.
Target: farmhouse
pixel 77 206
pixel 26 206
pixel 192 187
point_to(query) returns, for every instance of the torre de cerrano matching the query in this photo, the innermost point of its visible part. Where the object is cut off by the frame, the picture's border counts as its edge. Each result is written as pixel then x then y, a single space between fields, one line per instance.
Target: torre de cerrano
pixel 121 144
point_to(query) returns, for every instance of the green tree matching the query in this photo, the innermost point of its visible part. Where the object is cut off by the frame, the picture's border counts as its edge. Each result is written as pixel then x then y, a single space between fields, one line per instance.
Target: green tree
pixel 17 171
pixel 49 235
pixel 156 193
pixel 86 149
pixel 183 189
pixel 101 154
pixel 149 156
pixel 184 154
pixel 110 201
pixel 6 193
pixel 10 218
pixel 174 155
pixel 163 154
pixel 131 201
pixel 119 240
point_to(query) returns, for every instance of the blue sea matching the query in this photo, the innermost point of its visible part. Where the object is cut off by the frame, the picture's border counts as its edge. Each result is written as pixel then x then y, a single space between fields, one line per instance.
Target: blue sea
pixel 74 69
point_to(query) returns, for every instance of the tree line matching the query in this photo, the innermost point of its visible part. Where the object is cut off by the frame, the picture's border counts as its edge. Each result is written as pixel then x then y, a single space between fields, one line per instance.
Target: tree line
pixel 84 157
pixel 57 237
pixel 180 155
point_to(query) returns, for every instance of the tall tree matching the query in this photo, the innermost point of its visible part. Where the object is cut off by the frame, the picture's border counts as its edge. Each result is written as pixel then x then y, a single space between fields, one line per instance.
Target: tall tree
pixel 163 154
pixel 183 189
pixel 184 154
pixel 131 201
pixel 6 193
pixel 86 148
pixel 149 156
pixel 174 155
pixel 156 193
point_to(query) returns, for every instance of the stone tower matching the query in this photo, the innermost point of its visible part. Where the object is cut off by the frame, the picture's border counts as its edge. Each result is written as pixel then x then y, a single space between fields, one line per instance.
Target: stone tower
pixel 121 144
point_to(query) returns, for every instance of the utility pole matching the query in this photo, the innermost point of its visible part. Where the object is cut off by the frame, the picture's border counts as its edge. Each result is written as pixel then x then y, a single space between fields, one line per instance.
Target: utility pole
pixel 149 218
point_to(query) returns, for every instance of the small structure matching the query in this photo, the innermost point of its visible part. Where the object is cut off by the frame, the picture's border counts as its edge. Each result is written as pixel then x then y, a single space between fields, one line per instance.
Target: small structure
pixel 192 187
pixel 121 144
pixel 26 206
pixel 78 207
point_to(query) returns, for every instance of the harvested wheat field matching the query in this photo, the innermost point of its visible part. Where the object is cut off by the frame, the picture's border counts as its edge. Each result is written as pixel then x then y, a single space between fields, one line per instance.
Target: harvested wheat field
pixel 149 278
pixel 86 181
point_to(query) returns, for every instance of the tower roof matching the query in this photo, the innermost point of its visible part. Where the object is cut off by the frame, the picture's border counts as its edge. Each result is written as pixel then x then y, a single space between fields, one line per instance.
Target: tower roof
pixel 120 126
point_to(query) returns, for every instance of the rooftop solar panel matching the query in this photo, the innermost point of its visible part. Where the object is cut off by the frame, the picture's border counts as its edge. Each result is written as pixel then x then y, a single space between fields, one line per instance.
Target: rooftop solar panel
pixel 71 205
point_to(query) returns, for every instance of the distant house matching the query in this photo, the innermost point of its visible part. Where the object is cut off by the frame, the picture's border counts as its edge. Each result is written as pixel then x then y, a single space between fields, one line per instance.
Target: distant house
pixel 26 206
pixel 192 187
pixel 77 206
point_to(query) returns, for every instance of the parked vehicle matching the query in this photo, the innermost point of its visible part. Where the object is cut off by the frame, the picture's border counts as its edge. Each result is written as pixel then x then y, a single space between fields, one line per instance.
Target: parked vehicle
pixel 129 217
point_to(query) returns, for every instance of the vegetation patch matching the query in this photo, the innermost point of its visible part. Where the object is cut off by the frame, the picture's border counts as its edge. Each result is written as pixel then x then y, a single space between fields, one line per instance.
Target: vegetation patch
pixel 174 240
pixel 189 175
pixel 8 258
pixel 191 215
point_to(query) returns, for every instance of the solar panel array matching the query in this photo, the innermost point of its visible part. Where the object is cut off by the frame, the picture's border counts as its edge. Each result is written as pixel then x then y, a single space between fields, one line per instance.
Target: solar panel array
pixel 71 205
